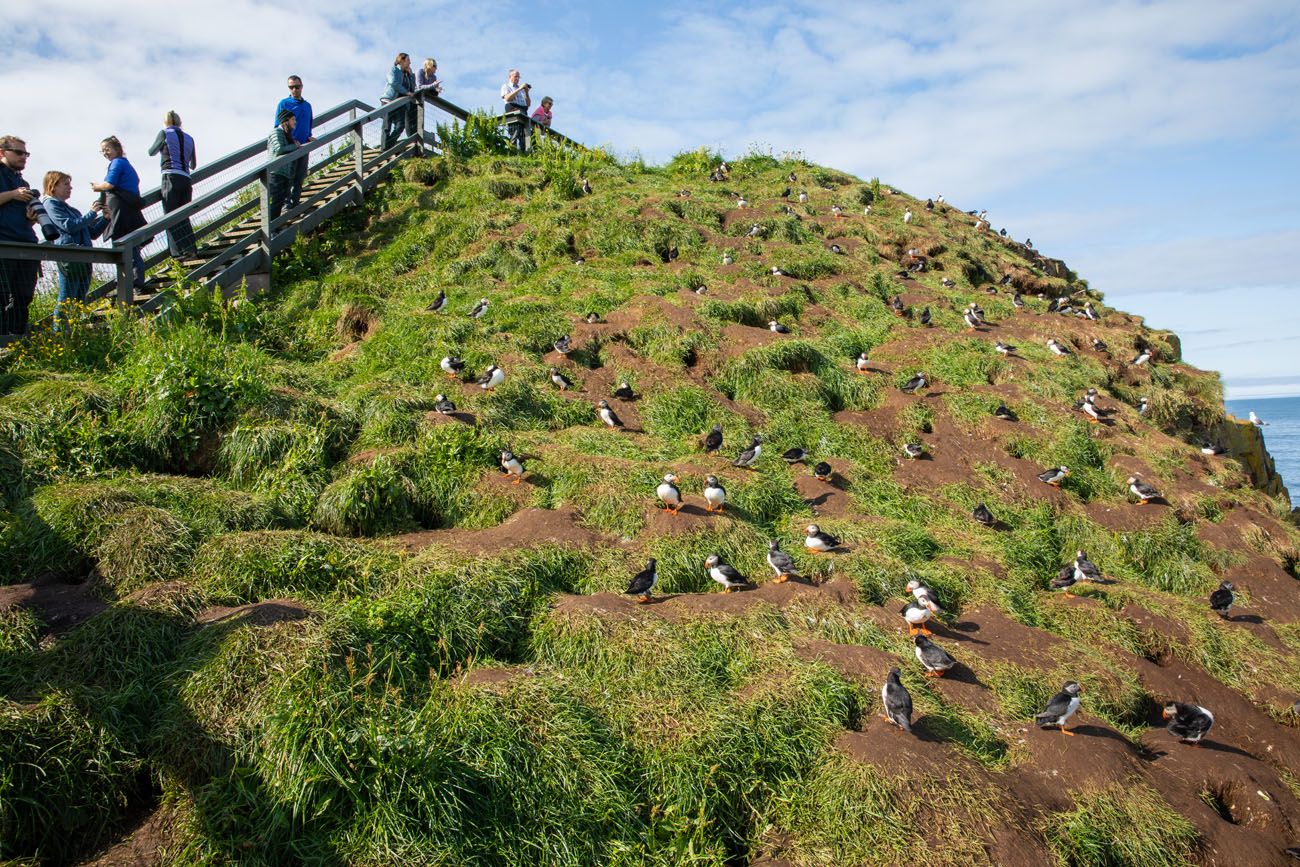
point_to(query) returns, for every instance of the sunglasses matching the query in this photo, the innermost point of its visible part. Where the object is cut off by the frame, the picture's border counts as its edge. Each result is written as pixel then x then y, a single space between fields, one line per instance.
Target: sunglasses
pixel 295 87
pixel 20 153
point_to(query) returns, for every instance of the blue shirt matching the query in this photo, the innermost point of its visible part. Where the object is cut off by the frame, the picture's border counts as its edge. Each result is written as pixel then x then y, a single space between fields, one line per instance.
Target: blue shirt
pixel 121 176
pixel 74 229
pixel 301 109
pixel 14 225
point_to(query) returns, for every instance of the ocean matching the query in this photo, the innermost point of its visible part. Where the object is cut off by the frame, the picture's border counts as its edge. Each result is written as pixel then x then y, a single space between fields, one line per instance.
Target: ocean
pixel 1281 433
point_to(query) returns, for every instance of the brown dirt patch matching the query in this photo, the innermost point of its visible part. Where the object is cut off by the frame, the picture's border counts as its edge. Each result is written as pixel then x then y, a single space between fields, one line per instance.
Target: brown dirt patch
pixel 60 605
pixel 144 846
pixel 826 499
pixel 989 633
pixel 265 613
pixel 525 528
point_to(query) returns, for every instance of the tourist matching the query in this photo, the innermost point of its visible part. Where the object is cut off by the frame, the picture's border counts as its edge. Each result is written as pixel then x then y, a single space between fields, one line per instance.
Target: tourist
pixel 178 159
pixel 543 113
pixel 17 276
pixel 426 78
pixel 517 99
pixel 280 178
pixel 75 230
pixel 121 189
pixel 301 109
pixel 401 82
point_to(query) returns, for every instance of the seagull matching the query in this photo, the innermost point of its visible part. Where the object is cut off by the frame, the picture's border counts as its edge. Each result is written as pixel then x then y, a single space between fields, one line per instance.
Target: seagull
pixel 1140 489
pixel 713 440
pixel 725 574
pixel 1222 598
pixel 624 392
pixel 819 542
pixel 643 582
pixel 1143 356
pixel 1004 348
pixel 777 327
pixel 439 304
pixel 862 363
pixel 1254 419
pixel 586 187
pixel 1056 347
pixel 442 406
pixel 913 450
pixel 915 384
pixel 715 496
pixel 794 455
pixel 491 378
pixel 607 415
pixel 907 216
pixel 452 365
pixel 1004 412
pixel 1060 708
pixel 749 456
pixel 669 494
pixel 512 465
pixel 563 346
pixel 983 516
pixel 782 563
pixel 562 381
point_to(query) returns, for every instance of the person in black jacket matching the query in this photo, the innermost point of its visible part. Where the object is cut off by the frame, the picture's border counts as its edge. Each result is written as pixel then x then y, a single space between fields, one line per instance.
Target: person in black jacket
pixel 17 276
pixel 178 160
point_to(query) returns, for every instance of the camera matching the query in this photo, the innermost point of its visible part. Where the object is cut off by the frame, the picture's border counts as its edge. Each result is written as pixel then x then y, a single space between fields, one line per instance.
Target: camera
pixel 48 229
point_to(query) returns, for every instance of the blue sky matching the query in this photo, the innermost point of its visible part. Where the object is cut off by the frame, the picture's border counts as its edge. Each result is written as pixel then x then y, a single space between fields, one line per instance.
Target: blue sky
pixel 1152 145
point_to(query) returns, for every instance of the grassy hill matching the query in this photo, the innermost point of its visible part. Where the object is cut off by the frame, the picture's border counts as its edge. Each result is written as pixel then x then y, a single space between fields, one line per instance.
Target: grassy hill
pixel 263 605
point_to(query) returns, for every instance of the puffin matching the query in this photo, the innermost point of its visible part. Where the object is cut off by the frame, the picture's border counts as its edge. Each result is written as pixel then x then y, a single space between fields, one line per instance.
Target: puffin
pixel 782 563
pixel 823 471
pixel 896 702
pixel 593 317
pixel 755 230
pixel 439 304
pixel 479 309
pixel 491 378
pixel 929 204
pixel 907 216
pixel 586 187
pixel 561 381
pixel 670 494
pixel 683 194
pixel 741 202
pixel 563 346
pixel 1143 356
pixel 972 320
pixel 939 199
pixel 579 261
pixel 1089 312
pixel 1099 345
pixel 785 194
pixel 442 406
pixel 1017 300
pixel 915 384
pixel 1065 579
pixel 917 616
pixel 1004 348
pixel 934 658
pixel 624 391
pixel 1089 409
pixel 749 456
pixel 1057 347
pixel 913 450
pixel 1060 708
pixel 836 211
pixel 777 327
pixel 837 249
pixel 794 455
pixel 983 516
pixel 925 316
pixel 866 212
pixel 1054 476
pixel 727 259
pixel 803 197
pixel 725 574
pixel 607 415
pixel 1222 598
pixel 1140 489
pixel 512 465
pixel 924 595
pixel 1188 722
pixel 643 582
pixel 863 364
pixel 701 289
pixel 715 496
pixel 896 305
pixel 1004 412
pixel 792 178
pixel 1144 404
pixel 673 253
pixel 713 440
pixel 451 365
pixel 948 282
pixel 1212 448
pixel 777 272
pixel 1085 569
pixel 819 542
pixel 978 312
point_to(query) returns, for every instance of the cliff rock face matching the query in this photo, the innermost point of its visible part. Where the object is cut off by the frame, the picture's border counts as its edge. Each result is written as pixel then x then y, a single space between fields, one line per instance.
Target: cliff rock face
pixel 1245 442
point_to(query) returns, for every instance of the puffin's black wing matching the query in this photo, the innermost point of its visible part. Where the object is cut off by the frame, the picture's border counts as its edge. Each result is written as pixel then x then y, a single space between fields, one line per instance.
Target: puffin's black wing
pixel 1056 708
pixel 1064 578
pixel 713 441
pixel 729 572
pixel 1221 599
pixel 642 581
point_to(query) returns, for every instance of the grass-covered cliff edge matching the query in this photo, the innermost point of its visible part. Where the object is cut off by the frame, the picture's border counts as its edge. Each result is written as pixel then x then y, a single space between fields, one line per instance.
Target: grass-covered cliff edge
pixel 262 605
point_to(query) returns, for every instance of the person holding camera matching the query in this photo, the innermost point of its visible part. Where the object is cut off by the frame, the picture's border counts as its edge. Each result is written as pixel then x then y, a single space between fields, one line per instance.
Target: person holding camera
pixel 178 160
pixel 17 276
pixel 401 82
pixel 121 189
pixel 517 99
pixel 75 230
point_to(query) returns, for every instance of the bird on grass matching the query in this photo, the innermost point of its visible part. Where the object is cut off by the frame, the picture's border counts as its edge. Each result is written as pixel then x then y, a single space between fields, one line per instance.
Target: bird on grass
pixel 924 596
pixel 777 272
pixel 579 261
pixel 837 249
pixel 701 289
pixel 1089 409
pixel 593 318
pixel 491 378
pixel 749 456
pixel 1099 345
pixel 915 384
pixel 1064 580
pixel 819 542
pixel 1017 300
pixel 1188 722
pixel 715 496
pixel 794 455
pixel 643 582
pixel 713 440
pixel 913 450
pixel 683 194
pixel 792 178
pixel 1054 476
pixel 439 304
pixel 823 472
pixel 836 211
pixel 1084 569
pixel 785 194
pixel 782 563
pixel 932 657
pixel 929 204
pixel 978 312
pixel 971 319
pixel 1212 448
pixel 925 316
pixel 983 516
pixel 916 615
pixel 673 253
pixel 803 197
pixel 512 465
pixel 863 364
pixel 479 309
pixel 1004 348
pixel 1143 356
pixel 669 494
pixel 896 702
pixel 727 259
pixel 563 346
pixel 1060 708
pixel 777 327
pixel 948 282
pixel 741 203
pixel 907 216
pixel 1140 489
pixel 442 406
pixel 725 574
pixel 1144 404
pixel 586 187
pixel 561 381
pixel 451 365
pixel 624 391
pixel 1056 347
pixel 607 415
pixel 1004 412
pixel 1090 312
pixel 1222 598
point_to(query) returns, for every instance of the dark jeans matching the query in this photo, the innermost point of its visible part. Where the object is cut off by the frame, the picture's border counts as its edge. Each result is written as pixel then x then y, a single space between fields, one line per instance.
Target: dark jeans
pixel 177 191
pixel 278 192
pixel 17 288
pixel 396 122
pixel 127 217
pixel 518 127
pixel 299 176
pixel 74 283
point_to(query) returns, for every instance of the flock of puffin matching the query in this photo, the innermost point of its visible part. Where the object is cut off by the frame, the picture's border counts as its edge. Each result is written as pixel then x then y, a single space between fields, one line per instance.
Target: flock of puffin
pixel 1189 722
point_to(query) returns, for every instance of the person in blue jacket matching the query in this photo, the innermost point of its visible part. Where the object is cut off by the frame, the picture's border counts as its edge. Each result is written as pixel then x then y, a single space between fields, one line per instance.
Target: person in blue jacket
pixel 75 230
pixel 401 82
pixel 121 189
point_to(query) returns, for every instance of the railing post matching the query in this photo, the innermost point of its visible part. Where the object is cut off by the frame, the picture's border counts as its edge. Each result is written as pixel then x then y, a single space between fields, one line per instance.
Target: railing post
pixel 359 160
pixel 125 278
pixel 419 126
pixel 264 199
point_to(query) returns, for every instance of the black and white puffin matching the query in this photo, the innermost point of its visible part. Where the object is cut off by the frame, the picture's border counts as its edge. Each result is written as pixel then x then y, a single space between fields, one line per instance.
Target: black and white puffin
pixel 1004 412
pixel 586 187
pixel 982 515
pixel 607 415
pixel 624 392
pixel 1085 569
pixel 896 305
pixel 1057 348
pixel 915 384
pixel 593 317
pixel 922 593
pixel 725 574
pixel 817 541
pixel 837 249
pixel 713 440
pixel 442 406
pixel 794 455
pixel 561 381
pixel 673 253
pixel 512 465
pixel 925 316
pixel 715 496
pixel 972 320
pixel 863 364
pixel 1090 411
pixel 727 259
pixel 1188 722
pixel 669 494
pixel 1004 348
pixel 479 309
pixel 1222 598
pixel 1140 489
pixel 1212 448
pixel 1017 300
pixel 948 282
pixel 934 658
pixel 1143 356
pixel 782 563
pixel 896 702
pixel 1089 312
pixel 1099 345
pixel 803 197
pixel 564 345
pixel 439 304
pixel 1060 708
pixel 823 472
pixel 1065 579
pixel 749 456
pixel 916 615
pixel 777 327
pixel 929 204
pixel 643 582
pixel 451 365
pixel 836 211
pixel 785 194
pixel 1054 476
pixel 491 378
pixel 1144 404
pixel 913 450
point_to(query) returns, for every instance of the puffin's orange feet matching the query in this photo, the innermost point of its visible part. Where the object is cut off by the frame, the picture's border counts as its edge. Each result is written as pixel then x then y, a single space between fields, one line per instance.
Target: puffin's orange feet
pixel 1066 731
pixel 642 600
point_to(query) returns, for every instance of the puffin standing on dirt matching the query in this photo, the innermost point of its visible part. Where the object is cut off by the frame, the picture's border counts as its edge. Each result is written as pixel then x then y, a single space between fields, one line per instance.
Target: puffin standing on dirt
pixel 1054 476
pixel 725 574
pixel 915 384
pixel 607 415
pixel 1143 356
pixel 1089 409
pixel 1222 598
pixel 512 465
pixel 451 365
pixel 715 496
pixel 823 471
pixel 562 382
pixel 817 541
pixel 442 406
pixel 749 456
pixel 643 582
pixel 564 345
pixel 1060 708
pixel 916 615
pixel 934 658
pixel 669 494
pixel 1188 722
pixel 1085 569
pixel 896 702
pixel 782 563
pixel 863 364
pixel 1004 412
pixel 913 450
pixel 1140 489
pixel 491 378
pixel 925 316
pixel 624 392
pixel 972 321
pixel 924 595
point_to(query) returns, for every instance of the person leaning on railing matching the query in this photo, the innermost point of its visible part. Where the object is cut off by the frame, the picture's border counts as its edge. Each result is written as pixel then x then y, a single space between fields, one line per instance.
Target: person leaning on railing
pixel 121 189
pixel 178 160
pixel 280 178
pixel 426 78
pixel 75 230
pixel 17 276
pixel 543 113
pixel 401 82
pixel 517 99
